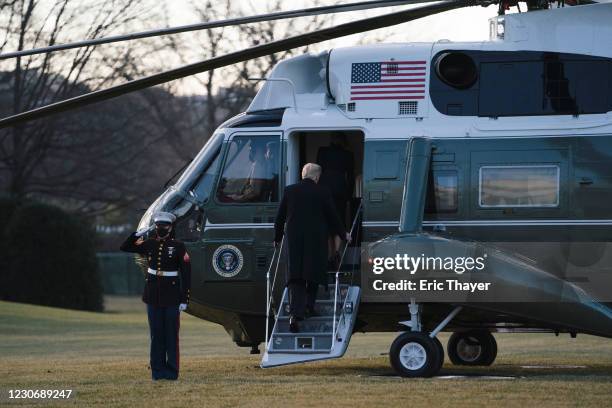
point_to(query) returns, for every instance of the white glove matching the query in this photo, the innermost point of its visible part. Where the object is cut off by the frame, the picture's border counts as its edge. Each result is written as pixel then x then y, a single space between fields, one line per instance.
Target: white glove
pixel 182 307
pixel 143 231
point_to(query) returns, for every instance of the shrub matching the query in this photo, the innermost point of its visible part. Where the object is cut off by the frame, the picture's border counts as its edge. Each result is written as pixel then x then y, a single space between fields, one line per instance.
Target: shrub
pixel 50 259
pixel 7 207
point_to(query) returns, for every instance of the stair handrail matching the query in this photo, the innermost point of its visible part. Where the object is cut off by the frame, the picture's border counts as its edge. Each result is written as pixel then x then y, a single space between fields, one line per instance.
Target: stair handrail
pixel 270 290
pixel 334 326
pixel 343 314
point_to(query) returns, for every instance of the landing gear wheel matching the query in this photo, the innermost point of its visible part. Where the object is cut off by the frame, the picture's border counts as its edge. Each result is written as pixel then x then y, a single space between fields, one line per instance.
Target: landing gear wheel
pixel 440 353
pixel 473 348
pixel 415 354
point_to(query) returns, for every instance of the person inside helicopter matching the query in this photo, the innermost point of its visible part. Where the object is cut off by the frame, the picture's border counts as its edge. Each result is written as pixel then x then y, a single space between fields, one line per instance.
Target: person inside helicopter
pixel 254 182
pixel 336 162
pixel 271 157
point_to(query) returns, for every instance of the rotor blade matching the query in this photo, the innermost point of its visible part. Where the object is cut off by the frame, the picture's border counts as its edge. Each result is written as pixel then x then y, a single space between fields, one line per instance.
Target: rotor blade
pixel 301 40
pixel 313 11
pixel 579 2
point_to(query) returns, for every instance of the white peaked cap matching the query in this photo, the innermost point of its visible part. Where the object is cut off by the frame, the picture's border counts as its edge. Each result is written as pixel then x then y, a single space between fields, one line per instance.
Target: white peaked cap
pixel 164 217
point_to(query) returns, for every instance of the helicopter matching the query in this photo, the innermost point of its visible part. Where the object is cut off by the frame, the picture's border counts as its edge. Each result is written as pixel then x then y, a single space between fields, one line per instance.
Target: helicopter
pixel 482 181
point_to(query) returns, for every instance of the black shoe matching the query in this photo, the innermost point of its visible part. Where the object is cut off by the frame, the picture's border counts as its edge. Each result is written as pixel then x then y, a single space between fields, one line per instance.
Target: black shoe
pixel 293 325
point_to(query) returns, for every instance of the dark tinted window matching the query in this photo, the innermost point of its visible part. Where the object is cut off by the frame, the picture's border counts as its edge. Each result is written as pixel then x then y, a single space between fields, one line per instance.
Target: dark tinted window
pixel 543 88
pixel 251 170
pixel 510 88
pixel 529 83
pixel 202 187
pixel 442 196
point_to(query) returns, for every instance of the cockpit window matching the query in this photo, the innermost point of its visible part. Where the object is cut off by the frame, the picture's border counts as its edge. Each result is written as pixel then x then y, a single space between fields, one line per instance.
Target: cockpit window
pixel 251 170
pixel 201 189
pixel 201 162
pixel 193 187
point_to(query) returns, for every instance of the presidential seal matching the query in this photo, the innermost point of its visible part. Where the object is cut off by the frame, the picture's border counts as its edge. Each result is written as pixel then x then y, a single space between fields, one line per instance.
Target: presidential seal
pixel 227 261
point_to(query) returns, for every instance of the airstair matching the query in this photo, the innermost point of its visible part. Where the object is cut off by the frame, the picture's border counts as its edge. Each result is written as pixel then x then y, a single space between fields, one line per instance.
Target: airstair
pixel 320 337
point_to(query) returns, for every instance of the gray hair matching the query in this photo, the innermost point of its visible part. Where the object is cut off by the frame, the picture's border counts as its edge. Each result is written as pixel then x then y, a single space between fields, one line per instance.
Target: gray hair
pixel 311 171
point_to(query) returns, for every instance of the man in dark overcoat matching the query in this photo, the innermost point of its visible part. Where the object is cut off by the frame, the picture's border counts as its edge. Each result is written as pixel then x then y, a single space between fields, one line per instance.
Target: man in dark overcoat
pixel 337 174
pixel 310 215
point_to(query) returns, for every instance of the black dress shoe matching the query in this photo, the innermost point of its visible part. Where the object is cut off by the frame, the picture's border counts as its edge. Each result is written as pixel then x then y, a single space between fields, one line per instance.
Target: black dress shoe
pixel 293 325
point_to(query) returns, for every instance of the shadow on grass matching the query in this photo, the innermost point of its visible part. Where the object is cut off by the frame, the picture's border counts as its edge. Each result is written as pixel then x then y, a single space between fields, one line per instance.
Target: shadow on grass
pixel 380 368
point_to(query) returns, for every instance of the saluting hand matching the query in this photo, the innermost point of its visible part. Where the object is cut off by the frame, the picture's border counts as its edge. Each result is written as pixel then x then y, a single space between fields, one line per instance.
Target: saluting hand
pixel 348 237
pixel 143 231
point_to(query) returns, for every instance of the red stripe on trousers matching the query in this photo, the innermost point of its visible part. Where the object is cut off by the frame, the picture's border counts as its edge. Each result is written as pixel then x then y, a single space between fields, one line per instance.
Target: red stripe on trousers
pixel 178 326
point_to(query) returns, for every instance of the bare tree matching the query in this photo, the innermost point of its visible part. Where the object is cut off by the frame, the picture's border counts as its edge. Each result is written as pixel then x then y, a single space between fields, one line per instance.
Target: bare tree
pixel 64 158
pixel 118 154
pixel 228 91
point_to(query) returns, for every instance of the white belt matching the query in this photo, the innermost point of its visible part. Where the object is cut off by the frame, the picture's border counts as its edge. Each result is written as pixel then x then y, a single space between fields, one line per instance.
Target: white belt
pixel 163 273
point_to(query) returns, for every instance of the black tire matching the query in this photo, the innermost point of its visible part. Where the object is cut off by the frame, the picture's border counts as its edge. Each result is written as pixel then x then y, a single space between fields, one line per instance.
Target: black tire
pixel 492 352
pixel 440 353
pixel 426 359
pixel 472 348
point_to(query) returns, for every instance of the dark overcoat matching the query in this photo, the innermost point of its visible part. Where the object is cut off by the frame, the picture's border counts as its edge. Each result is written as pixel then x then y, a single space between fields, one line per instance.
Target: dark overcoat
pixel 310 215
pixel 337 165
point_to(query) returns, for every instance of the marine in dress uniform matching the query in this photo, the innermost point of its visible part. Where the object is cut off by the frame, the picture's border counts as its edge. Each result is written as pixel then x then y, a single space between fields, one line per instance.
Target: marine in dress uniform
pixel 310 215
pixel 166 291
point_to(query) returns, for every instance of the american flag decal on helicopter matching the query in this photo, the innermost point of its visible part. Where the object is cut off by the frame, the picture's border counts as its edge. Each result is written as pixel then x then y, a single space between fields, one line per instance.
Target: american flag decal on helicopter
pixel 388 80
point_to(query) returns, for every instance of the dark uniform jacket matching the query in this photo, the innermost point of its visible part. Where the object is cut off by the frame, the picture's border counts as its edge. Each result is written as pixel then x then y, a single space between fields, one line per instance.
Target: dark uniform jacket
pixel 337 165
pixel 163 255
pixel 309 212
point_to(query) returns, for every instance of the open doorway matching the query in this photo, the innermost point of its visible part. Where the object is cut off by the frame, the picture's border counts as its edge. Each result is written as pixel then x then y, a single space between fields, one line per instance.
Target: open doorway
pixel 340 154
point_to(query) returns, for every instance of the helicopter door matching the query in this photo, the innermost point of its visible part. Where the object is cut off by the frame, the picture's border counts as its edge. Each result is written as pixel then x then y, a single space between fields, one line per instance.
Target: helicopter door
pixel 239 226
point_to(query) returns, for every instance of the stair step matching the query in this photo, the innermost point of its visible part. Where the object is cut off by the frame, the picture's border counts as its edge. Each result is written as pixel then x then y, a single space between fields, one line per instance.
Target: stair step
pixel 329 294
pixel 301 342
pixel 313 325
pixel 314 318
pixel 323 307
pixel 316 340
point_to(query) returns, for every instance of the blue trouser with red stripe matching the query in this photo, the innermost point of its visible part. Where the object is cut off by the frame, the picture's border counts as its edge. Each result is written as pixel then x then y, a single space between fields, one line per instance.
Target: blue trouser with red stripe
pixel 164 324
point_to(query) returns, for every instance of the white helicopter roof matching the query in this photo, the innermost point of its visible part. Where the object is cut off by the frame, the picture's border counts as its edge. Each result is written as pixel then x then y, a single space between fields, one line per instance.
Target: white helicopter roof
pixel 583 29
pixel 348 74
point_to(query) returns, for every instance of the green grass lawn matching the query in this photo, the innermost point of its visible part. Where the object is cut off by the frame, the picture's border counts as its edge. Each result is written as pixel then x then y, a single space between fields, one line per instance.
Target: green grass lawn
pixel 103 357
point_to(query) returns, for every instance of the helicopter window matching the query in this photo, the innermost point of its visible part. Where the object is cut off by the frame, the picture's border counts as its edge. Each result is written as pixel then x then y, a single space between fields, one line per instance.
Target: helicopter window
pixel 251 170
pixel 442 197
pixel 550 87
pixel 202 187
pixel 525 83
pixel 519 186
pixel 201 161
